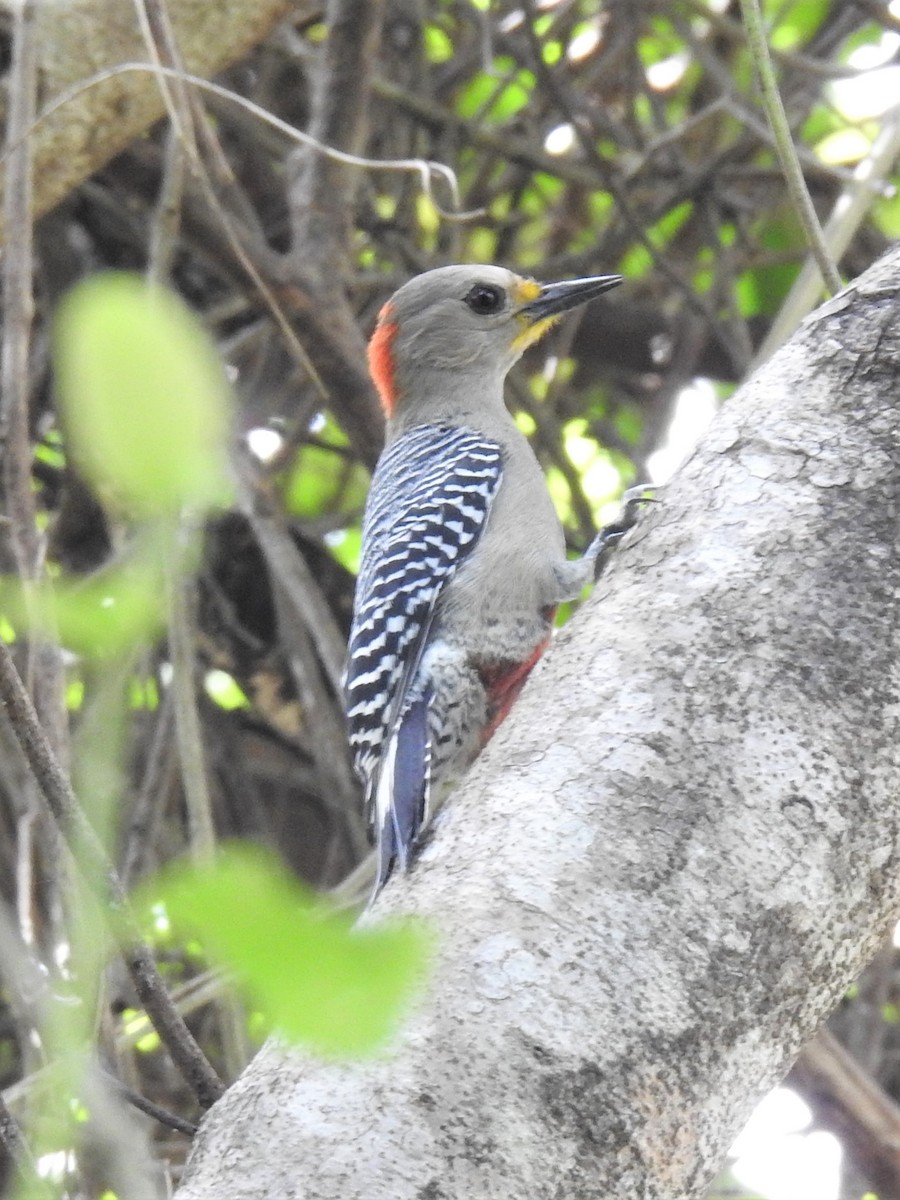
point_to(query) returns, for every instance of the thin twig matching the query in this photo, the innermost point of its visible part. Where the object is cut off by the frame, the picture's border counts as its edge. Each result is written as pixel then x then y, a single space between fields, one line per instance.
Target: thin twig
pixel 188 729
pixel 290 571
pixel 93 862
pixel 793 173
pixel 43 668
pixel 136 1100
pixel 13 1142
pixel 189 997
pixel 848 1101
pixel 188 128
pixel 158 769
pixel 427 169
pixel 166 222
pixel 851 206
pixel 18 304
pixel 320 196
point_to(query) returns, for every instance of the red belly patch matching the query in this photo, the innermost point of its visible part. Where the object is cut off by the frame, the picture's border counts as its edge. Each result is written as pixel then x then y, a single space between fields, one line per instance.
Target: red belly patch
pixel 503 681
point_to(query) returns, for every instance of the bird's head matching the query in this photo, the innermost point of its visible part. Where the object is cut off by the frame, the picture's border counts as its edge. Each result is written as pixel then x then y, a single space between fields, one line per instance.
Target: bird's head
pixel 471 320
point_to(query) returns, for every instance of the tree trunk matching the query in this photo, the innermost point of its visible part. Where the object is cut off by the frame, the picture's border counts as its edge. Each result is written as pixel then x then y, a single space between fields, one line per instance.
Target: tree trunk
pixel 672 859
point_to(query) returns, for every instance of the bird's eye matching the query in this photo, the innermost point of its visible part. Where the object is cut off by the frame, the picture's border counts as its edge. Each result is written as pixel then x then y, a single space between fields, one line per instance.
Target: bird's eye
pixel 485 299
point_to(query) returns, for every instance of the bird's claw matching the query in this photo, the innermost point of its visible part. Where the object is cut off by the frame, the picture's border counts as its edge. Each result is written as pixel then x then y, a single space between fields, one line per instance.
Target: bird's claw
pixel 610 535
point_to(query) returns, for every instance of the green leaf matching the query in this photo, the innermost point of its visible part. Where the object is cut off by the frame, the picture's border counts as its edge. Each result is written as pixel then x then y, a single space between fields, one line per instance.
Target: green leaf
pixel 482 244
pixel 798 24
pixel 843 146
pixel 322 480
pixel 224 690
pixel 475 94
pixel 438 46
pixel 143 395
pixel 886 211
pixel 50 452
pixel 514 97
pixel 74 696
pixel 629 425
pixel 485 91
pixel 637 259
pixel 773 282
pixel 338 990
pixel 868 34
pixel 600 479
pixel 663 42
pixel 345 546
pixel 102 615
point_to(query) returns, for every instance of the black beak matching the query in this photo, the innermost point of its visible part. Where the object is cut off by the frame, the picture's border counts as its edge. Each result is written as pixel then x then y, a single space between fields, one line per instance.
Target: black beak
pixel 556 298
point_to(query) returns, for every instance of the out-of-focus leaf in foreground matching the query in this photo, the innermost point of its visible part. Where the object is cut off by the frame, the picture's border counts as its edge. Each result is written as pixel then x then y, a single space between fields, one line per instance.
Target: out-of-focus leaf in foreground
pixel 337 990
pixel 102 615
pixel 144 397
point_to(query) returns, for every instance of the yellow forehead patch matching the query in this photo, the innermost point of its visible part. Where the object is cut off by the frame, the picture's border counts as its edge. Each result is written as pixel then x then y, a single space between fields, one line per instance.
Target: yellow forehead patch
pixel 532 333
pixel 525 290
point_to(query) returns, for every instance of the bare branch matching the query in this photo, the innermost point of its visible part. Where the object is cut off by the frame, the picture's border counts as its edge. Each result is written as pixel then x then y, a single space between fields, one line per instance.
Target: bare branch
pixel 846 1100
pixel 68 815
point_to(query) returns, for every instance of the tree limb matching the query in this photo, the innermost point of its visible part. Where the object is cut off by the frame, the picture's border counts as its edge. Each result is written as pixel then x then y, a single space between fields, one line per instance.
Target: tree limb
pixel 63 804
pixel 847 1100
pixel 77 139
pixel 674 857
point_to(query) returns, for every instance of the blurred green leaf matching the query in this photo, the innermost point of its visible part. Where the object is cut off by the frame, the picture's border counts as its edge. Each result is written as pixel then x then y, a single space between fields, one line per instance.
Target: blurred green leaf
pixel 101 615
pixel 843 146
pixel 486 96
pixel 482 244
pixel 886 210
pixel 663 42
pixel 74 696
pixel 475 94
pixel 796 23
pixel 50 452
pixel 638 259
pixel 144 396
pixel 867 35
pixel 338 990
pixel 143 693
pixel 345 545
pixel 224 690
pixel 773 281
pixel 600 478
pixel 629 425
pixel 438 46
pixel 322 481
pixel 820 122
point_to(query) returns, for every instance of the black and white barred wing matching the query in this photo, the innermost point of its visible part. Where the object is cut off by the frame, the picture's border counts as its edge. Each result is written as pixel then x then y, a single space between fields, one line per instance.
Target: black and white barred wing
pixel 429 503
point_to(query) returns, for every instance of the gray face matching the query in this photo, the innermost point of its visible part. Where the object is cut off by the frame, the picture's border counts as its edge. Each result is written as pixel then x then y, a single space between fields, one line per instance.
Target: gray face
pixel 461 317
pixel 479 317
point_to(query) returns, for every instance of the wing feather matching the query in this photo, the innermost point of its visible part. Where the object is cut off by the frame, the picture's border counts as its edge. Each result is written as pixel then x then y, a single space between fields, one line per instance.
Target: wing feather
pixel 430 501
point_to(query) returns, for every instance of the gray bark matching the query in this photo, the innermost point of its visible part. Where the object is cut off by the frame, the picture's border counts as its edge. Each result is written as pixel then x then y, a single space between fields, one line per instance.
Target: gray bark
pixel 675 855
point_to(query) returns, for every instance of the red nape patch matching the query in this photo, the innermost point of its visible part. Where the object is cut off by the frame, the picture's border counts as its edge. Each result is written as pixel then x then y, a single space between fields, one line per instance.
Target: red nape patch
pixel 503 682
pixel 381 359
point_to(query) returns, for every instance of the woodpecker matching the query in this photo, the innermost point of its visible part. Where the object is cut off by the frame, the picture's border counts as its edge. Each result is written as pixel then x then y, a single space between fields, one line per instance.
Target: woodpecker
pixel 464 558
